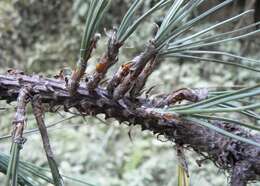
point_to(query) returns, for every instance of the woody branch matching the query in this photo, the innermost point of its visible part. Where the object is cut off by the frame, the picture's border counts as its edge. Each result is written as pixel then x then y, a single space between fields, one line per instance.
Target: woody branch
pixel 230 155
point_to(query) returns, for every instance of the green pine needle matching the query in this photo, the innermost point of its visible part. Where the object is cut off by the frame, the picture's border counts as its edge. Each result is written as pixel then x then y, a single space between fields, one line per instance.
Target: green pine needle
pixel 205 31
pixel 12 170
pixel 248 113
pixel 239 64
pixel 173 48
pixel 167 24
pixel 220 53
pixel 96 11
pixel 222 131
pixel 189 24
pixel 233 121
pixel 218 110
pixel 29 174
pixel 172 27
pixel 216 36
pixel 128 18
pixel 128 26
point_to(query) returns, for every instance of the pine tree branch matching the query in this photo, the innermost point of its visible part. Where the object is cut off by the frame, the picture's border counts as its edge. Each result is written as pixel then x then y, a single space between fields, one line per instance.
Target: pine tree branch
pixel 228 154
pixel 39 116
pixel 109 58
pixel 17 135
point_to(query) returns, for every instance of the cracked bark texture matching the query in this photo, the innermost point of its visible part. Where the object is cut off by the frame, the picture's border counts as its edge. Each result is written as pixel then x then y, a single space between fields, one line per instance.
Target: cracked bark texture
pixel 241 160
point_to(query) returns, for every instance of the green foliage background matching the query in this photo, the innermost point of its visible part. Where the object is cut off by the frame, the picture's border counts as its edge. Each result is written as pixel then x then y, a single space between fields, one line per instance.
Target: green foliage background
pixel 42 36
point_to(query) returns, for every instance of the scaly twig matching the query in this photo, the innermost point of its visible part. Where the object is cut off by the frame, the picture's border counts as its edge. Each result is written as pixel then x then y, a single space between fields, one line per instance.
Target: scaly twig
pixel 95 14
pixel 226 153
pixel 193 95
pixel 139 63
pixel 142 78
pixel 38 113
pixel 118 77
pixel 118 37
pixel 81 67
pixel 107 60
pixel 17 135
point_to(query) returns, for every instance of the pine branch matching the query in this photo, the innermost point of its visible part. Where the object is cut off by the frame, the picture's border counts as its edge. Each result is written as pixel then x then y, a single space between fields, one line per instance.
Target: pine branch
pixel 117 39
pixel 96 11
pixel 121 99
pixel 137 67
pixel 17 135
pixel 235 154
pixel 38 113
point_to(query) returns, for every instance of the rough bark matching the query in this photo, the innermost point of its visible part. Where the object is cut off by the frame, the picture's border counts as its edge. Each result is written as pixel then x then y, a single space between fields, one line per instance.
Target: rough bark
pixel 240 159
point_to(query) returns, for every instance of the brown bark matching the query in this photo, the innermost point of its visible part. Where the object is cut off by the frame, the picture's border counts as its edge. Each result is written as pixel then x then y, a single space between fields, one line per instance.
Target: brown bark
pixel 240 159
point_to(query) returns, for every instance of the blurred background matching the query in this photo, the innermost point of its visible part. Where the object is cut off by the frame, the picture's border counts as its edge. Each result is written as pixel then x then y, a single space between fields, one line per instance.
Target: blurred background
pixel 43 36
